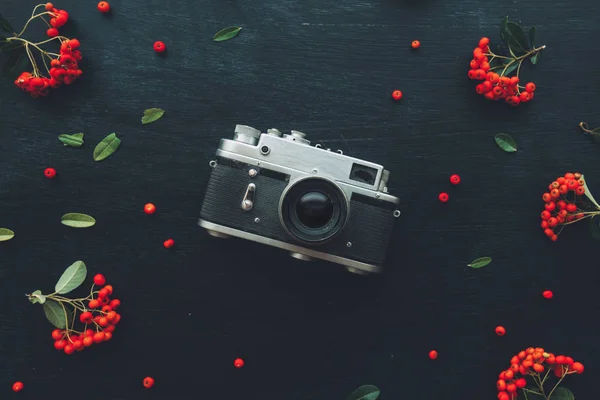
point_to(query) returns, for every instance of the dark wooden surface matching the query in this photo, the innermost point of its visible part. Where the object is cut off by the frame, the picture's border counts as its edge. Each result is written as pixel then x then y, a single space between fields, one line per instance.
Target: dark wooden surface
pixel 305 331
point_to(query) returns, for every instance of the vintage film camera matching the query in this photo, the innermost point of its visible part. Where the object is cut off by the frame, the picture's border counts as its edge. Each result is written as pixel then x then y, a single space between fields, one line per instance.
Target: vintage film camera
pixel 318 204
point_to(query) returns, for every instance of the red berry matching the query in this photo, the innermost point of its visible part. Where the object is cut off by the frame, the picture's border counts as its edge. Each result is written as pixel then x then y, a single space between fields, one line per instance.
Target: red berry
pixel 549 232
pixel 57 334
pixel 86 317
pixel 546 215
pixel 93 304
pixel 52 32
pixel 415 44
pixel 483 43
pixel 530 87
pixel 501 385
pixel 238 363
pixel 109 289
pixel 17 386
pixel 168 243
pixel 88 341
pixel 547 294
pixel 149 208
pixel 99 280
pixel 69 349
pixel 114 304
pixel 521 383
pixel 99 337
pixel 433 354
pixel 500 331
pixel 578 367
pixel 443 197
pixel 49 6
pixel 60 344
pixel 396 95
pixel 103 7
pixel 103 293
pixel 159 47
pixel 455 179
pixel 50 173
pixel 503 396
pixel 148 382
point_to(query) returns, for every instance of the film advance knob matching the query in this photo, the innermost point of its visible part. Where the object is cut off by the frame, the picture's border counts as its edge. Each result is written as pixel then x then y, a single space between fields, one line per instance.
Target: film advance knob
pixel 246 134
pixel 297 136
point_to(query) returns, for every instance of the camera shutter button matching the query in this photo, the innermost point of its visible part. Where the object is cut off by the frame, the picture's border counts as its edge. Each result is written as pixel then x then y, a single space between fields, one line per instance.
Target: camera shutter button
pixel 246 134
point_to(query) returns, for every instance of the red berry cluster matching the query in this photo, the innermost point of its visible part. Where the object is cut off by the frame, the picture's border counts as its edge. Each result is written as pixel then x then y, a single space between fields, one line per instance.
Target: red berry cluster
pixel 495 86
pixel 100 314
pixel 559 209
pixel 531 362
pixel 65 70
pixel 58 19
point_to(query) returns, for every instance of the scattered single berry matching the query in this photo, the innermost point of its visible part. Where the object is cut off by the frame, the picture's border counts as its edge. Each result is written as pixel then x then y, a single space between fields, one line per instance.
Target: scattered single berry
pixel 159 47
pixel 50 173
pixel 548 294
pixel 149 208
pixel 103 7
pixel 148 382
pixel 500 331
pixel 169 243
pixel 455 179
pixel 17 386
pixel 238 363
pixel 99 280
pixel 397 95
pixel 443 197
pixel 415 44
pixel 433 354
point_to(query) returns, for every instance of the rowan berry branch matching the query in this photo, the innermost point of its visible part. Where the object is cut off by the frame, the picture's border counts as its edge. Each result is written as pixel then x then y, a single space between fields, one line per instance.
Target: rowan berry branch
pixel 514 59
pixel 584 127
pixel 559 381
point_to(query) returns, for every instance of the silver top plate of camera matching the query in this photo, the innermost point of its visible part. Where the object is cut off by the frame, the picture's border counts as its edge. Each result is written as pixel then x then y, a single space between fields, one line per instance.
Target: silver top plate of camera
pixel 292 154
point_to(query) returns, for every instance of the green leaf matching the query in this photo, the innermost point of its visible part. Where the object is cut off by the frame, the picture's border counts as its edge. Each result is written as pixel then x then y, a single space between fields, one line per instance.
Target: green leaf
pixel 6 234
pixel 562 393
pixel 588 193
pixel 74 140
pixel 534 59
pixel 532 36
pixel 505 142
pixel 15 64
pixel 5 26
pixel 480 262
pixel 37 297
pixel 365 392
pixel 151 115
pixel 595 228
pixel 504 29
pixel 515 37
pixel 106 147
pixel 72 278
pixel 55 314
pixel 77 220
pixel 227 33
pixel 12 45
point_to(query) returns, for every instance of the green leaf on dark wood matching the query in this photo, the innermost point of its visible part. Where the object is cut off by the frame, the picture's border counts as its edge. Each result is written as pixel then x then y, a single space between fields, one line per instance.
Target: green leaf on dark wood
pixel 151 115
pixel 55 314
pixel 77 220
pixel 515 38
pixel 6 234
pixel 505 142
pixel 503 29
pixel 480 262
pixel 595 228
pixel 562 393
pixel 13 45
pixel 37 297
pixel 72 278
pixel 532 36
pixel 227 33
pixel 588 193
pixel 534 59
pixel 73 140
pixel 106 147
pixel 365 392
pixel 5 26
pixel 15 63
pixel 510 68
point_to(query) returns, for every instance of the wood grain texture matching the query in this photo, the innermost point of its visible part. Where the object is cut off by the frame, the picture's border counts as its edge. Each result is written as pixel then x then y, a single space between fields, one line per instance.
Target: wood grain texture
pixel 305 331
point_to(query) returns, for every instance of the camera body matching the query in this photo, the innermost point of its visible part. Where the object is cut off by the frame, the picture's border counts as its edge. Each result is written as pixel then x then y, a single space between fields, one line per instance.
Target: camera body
pixel 313 202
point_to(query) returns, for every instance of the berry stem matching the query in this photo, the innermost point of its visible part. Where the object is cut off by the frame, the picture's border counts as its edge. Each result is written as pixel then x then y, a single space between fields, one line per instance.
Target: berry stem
pixel 558 383
pixel 514 59
pixel 584 127
pixel 31 19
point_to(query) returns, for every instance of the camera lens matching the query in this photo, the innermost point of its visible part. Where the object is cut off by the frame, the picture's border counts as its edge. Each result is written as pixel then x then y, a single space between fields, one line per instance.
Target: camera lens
pixel 314 209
